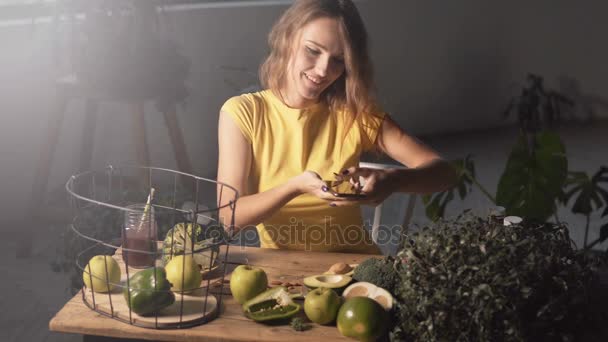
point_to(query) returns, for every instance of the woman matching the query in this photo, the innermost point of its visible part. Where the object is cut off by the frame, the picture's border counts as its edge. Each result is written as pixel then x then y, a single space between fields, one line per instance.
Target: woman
pixel 313 121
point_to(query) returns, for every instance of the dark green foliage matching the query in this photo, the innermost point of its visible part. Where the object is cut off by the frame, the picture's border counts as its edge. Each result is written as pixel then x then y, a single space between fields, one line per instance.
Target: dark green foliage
pixel 298 324
pixel 436 203
pixel 537 107
pixel 380 272
pixel 591 195
pixel 532 181
pixel 473 279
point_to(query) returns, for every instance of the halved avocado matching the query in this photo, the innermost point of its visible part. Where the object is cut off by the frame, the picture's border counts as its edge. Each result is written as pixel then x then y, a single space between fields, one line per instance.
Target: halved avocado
pixel 336 282
pixel 365 289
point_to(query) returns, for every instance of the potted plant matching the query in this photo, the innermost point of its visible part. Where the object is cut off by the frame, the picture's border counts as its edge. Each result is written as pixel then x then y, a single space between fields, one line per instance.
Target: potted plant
pixel 474 279
pixel 536 179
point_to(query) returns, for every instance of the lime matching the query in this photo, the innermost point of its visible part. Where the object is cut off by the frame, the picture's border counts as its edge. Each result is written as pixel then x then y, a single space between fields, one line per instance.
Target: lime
pixel 362 318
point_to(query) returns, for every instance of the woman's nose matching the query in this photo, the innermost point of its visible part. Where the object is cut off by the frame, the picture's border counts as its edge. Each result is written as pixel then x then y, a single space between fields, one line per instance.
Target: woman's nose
pixel 322 66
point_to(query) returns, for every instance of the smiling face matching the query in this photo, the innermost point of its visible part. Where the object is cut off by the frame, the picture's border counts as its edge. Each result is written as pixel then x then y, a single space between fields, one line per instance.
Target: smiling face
pixel 317 60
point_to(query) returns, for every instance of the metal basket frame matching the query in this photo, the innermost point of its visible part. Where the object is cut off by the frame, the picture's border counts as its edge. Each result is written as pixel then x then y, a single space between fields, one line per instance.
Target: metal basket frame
pixel 225 194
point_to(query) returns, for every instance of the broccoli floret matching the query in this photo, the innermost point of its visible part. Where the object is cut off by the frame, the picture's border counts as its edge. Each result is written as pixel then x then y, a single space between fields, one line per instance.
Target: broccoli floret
pixel 380 272
pixel 298 324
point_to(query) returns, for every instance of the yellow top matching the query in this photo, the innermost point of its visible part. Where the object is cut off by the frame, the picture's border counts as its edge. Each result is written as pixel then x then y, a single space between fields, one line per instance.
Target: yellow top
pixel 286 142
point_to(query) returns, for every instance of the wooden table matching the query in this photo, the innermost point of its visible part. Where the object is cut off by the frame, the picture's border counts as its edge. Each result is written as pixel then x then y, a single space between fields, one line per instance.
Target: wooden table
pixel 231 325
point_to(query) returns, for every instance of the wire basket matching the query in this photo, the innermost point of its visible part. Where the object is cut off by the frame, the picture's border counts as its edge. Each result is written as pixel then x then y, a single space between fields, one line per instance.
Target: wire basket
pixel 170 254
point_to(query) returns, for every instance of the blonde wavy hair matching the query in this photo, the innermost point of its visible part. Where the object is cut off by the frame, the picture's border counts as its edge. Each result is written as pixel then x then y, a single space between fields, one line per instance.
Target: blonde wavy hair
pixel 353 91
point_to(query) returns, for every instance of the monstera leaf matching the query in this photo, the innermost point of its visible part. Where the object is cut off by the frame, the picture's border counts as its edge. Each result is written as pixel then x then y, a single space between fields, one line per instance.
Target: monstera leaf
pixel 590 196
pixel 589 193
pixel 533 177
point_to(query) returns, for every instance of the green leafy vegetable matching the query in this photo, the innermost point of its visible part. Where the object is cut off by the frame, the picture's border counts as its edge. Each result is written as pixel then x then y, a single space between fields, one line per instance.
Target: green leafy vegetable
pixel 380 272
pixel 473 279
pixel 298 324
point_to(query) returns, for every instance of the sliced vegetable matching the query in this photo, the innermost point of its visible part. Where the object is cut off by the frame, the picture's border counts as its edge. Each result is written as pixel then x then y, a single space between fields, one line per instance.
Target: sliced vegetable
pixel 336 282
pixel 271 305
pixel 369 290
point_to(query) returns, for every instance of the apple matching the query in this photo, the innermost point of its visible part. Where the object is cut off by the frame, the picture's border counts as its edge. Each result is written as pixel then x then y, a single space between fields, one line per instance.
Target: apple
pixel 95 271
pixel 247 282
pixel 183 268
pixel 321 305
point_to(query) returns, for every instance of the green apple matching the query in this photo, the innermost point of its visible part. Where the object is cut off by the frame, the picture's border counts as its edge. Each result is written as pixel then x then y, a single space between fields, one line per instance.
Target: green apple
pixel 95 270
pixel 183 268
pixel 321 305
pixel 247 282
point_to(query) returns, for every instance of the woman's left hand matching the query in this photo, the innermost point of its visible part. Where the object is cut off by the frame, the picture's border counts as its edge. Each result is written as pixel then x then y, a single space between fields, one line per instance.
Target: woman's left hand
pixel 375 184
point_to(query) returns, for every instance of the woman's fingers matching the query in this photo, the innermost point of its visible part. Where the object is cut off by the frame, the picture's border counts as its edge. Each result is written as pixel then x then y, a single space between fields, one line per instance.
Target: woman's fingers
pixel 356 172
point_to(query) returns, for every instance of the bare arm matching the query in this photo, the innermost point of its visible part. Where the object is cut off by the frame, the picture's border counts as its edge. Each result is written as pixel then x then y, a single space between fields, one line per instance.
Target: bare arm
pixel 235 158
pixel 427 172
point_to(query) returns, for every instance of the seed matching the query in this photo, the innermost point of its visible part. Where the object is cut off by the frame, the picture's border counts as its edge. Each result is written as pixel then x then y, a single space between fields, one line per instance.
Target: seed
pixel 340 268
pixel 276 282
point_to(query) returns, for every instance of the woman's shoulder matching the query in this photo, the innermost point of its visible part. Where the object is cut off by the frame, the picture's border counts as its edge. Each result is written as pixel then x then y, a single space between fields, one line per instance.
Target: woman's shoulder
pixel 247 104
pixel 372 116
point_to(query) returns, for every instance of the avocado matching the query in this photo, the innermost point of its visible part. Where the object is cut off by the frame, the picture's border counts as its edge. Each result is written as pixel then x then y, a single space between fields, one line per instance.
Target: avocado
pixel 336 282
pixel 364 289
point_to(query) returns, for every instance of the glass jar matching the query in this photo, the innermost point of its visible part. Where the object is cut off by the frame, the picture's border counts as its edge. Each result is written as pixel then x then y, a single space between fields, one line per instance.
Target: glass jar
pixel 139 237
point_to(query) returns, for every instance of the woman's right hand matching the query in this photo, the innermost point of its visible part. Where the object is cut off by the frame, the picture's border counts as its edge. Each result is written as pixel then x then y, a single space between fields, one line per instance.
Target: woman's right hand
pixel 309 182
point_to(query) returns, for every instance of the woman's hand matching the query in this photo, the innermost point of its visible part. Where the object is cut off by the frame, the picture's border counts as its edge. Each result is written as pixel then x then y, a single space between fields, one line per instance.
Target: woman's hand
pixel 374 184
pixel 309 182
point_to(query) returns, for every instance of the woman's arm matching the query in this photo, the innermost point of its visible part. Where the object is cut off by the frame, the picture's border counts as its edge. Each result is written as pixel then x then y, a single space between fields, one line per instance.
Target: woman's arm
pixel 235 158
pixel 427 172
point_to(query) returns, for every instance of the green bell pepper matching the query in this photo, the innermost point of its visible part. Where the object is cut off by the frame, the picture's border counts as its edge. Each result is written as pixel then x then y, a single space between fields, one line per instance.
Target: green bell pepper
pixel 149 291
pixel 271 305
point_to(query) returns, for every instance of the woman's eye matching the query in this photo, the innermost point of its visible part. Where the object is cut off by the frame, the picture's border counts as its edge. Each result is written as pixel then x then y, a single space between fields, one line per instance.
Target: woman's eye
pixel 312 51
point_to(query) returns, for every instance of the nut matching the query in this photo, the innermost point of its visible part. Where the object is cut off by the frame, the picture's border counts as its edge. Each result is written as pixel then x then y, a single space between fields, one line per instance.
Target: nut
pixel 340 268
pixel 276 282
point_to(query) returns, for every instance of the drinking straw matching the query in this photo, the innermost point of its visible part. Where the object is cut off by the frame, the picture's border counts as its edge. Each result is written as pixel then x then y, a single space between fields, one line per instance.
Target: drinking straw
pixel 146 209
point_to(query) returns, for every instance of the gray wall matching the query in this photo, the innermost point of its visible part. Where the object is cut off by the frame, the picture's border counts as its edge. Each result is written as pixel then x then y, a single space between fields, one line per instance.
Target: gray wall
pixel 441 67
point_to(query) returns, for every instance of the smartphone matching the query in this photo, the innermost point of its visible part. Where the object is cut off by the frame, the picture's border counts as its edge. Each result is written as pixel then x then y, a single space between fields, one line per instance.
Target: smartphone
pixel 343 190
pixel 348 195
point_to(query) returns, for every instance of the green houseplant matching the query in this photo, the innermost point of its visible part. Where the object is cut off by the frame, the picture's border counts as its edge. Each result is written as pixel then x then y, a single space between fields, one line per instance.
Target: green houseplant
pixel 473 279
pixel 536 179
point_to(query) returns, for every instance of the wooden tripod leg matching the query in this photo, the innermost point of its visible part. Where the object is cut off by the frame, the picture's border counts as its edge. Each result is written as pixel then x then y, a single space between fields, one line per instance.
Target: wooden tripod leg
pixel 140 142
pixel 41 177
pixel 88 135
pixel 177 140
